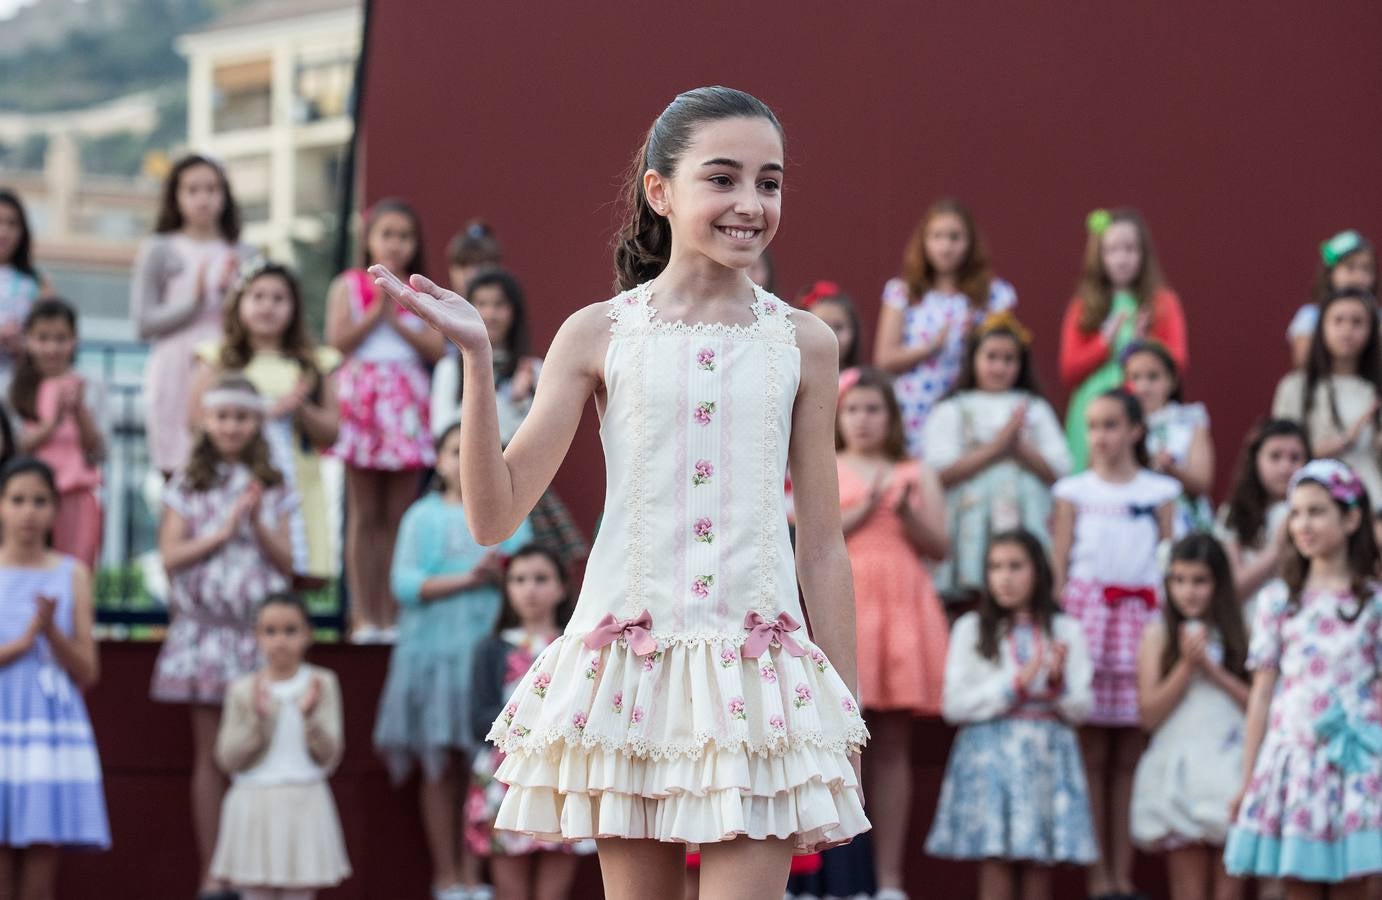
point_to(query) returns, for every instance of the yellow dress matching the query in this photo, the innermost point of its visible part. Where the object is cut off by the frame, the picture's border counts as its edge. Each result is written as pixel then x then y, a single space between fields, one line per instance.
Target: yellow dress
pixel 274 374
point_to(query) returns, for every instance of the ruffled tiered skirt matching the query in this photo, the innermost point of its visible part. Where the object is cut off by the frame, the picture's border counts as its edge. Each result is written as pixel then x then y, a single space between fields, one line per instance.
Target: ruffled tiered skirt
pixel 690 743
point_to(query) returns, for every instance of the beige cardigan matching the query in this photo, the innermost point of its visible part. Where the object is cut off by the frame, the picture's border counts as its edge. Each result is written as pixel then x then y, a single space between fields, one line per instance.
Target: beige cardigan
pixel 244 734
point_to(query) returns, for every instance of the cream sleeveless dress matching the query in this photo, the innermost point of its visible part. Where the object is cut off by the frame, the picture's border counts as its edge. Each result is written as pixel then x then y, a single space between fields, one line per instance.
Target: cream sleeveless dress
pixel 685 702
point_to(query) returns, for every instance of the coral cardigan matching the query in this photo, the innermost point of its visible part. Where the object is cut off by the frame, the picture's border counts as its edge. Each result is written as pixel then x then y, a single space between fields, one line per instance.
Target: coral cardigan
pixel 1082 353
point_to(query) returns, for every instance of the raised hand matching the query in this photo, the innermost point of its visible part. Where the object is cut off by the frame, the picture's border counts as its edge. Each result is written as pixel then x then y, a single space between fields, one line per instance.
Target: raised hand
pixel 308 701
pixel 446 311
pixel 263 703
pixel 44 609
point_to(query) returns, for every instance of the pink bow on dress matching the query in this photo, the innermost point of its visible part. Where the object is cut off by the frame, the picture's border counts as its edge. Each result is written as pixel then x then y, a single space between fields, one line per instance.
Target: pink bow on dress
pixel 638 631
pixel 763 632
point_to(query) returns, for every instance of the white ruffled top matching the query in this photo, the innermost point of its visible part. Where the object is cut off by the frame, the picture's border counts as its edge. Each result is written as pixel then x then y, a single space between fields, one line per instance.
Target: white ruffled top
pixel 713 715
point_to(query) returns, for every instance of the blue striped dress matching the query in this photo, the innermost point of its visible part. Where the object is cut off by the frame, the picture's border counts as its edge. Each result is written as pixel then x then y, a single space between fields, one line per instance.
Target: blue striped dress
pixel 50 773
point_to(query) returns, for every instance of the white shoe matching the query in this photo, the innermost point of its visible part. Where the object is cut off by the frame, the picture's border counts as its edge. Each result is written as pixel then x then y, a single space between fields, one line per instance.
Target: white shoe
pixel 482 892
pixel 389 635
pixel 890 894
pixel 369 634
pixel 455 892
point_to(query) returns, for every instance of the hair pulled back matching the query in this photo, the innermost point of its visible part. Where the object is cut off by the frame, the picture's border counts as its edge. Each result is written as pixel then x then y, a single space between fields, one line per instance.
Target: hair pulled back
pixel 644 243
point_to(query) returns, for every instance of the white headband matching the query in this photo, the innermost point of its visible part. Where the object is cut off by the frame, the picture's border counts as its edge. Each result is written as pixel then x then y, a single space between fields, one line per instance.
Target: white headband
pixel 233 396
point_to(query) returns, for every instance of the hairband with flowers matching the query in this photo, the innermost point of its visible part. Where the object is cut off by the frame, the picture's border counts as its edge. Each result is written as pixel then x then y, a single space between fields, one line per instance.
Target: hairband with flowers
pixel 1342 482
pixel 1004 320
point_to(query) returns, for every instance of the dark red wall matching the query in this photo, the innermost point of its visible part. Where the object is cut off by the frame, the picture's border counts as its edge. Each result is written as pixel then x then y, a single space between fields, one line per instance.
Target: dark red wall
pixel 1245 133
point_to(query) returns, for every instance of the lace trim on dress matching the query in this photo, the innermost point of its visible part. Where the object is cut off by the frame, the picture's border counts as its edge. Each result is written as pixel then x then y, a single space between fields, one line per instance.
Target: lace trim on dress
pixel 521 740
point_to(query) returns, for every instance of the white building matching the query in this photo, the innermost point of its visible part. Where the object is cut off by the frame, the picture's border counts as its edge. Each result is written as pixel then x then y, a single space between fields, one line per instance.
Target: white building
pixel 269 89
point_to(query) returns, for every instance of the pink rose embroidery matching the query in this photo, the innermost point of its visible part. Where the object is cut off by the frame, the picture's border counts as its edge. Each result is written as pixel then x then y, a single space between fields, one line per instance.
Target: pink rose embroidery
pixel 728 658
pixel 636 716
pixel 705 359
pixel 701 586
pixel 702 472
pixel 618 703
pixel 768 673
pixel 540 684
pixel 736 708
pixel 509 712
pixel 594 668
pixel 770 307
pixel 650 660
pixel 518 731
pixel 579 720
pixel 777 723
pixel 703 529
pixel 703 411
pixel 849 706
pixel 819 659
pixel 803 697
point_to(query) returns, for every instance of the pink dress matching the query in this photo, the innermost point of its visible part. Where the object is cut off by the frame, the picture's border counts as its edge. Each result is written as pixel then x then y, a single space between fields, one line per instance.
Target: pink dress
pixel 384 392
pixel 901 629
pixel 166 275
pixel 77 528
pixel 212 602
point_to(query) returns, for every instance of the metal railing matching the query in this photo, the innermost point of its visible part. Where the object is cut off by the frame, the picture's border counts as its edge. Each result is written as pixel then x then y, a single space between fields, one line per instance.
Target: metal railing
pixel 130 590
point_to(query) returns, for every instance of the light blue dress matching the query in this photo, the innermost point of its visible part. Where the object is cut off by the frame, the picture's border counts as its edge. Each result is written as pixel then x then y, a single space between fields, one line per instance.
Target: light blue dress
pixel 1014 788
pixel 50 772
pixel 424 712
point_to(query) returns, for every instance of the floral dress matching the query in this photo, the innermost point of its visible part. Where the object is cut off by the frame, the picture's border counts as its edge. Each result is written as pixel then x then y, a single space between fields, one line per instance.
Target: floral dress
pixel 1014 788
pixel 212 602
pixel 1313 808
pixel 501 662
pixel 685 702
pixel 922 388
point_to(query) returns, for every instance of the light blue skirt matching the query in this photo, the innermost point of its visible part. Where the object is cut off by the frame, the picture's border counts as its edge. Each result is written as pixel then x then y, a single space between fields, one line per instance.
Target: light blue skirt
pixel 1014 789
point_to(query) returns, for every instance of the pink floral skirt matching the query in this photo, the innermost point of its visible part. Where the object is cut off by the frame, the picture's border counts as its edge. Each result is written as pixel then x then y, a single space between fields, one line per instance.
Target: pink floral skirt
pixel 384 416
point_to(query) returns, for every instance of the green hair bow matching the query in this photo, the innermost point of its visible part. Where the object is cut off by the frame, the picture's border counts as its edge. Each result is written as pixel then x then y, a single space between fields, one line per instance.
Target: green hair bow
pixel 1098 222
pixel 1340 245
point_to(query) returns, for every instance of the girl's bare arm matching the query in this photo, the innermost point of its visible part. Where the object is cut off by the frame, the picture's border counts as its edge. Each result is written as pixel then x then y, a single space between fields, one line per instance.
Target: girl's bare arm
pixel 822 565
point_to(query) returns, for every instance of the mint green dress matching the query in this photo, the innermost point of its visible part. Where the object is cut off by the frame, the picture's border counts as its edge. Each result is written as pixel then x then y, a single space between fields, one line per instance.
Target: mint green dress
pixel 1105 378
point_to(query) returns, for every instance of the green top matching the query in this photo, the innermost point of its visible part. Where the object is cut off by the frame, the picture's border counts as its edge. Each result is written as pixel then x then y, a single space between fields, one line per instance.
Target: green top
pixel 1105 378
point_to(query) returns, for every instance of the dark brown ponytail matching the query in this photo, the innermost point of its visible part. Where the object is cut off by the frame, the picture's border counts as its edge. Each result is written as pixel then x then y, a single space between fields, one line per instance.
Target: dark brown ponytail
pixel 644 243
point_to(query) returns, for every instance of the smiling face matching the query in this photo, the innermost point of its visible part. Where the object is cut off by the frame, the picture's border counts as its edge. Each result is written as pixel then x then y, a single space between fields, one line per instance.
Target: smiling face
pixel 724 199
pixel 1317 526
pixel 266 308
pixel 1120 249
pixel 27 509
